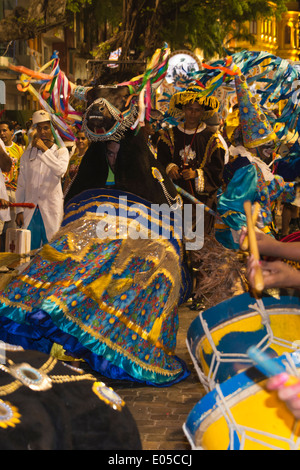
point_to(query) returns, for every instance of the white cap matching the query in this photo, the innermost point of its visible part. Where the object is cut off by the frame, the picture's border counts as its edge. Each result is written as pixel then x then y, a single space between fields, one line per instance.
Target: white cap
pixel 40 116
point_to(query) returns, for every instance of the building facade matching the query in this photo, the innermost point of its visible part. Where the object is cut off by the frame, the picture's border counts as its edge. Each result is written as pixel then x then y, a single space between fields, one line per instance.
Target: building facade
pixel 280 38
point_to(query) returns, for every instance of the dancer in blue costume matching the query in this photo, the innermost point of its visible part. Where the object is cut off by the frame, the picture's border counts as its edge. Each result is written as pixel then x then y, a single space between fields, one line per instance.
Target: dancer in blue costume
pixel 111 302
pixel 247 176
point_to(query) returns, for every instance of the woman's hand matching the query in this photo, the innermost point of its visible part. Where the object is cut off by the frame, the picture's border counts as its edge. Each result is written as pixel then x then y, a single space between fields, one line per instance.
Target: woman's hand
pixel 290 394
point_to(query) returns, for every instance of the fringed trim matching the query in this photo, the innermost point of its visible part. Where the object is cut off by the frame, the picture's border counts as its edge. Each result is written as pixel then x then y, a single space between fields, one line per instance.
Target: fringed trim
pixel 199 181
pixel 264 140
pixel 214 143
pixel 180 99
pixel 170 166
pixel 167 136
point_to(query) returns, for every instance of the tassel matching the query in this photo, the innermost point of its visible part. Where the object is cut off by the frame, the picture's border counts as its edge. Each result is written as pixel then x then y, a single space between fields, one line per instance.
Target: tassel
pixel 97 287
pixel 6 278
pixel 156 329
pixel 50 254
pixel 6 258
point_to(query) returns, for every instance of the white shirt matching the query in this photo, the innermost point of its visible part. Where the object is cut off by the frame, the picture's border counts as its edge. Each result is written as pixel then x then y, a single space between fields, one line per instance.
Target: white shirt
pixel 240 150
pixel 39 182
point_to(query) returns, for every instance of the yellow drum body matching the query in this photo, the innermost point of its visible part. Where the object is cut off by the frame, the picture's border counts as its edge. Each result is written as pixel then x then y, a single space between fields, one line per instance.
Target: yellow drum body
pixel 219 337
pixel 241 414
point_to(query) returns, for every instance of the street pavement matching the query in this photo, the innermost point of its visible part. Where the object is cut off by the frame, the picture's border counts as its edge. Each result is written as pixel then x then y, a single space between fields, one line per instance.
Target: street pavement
pixel 161 412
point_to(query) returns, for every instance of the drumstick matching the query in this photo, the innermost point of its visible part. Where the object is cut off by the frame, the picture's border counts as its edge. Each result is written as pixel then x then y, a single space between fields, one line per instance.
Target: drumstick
pixel 268 366
pixel 28 205
pixel 245 242
pixel 258 277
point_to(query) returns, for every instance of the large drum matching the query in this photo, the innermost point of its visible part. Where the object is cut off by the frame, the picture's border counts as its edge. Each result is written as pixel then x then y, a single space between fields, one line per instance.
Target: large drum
pixel 240 414
pixel 218 339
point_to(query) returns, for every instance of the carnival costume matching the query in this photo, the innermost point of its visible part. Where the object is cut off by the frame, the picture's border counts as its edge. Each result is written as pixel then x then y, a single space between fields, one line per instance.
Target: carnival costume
pixel 112 302
pixel 246 176
pixel 40 182
pixel 199 149
pixel 46 404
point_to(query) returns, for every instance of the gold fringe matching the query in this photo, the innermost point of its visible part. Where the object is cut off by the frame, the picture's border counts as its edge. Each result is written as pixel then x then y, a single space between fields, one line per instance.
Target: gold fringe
pixel 58 352
pixel 97 287
pixel 119 286
pixel 156 329
pixel 181 99
pixel 6 258
pixel 258 142
pixel 50 254
pixel 5 278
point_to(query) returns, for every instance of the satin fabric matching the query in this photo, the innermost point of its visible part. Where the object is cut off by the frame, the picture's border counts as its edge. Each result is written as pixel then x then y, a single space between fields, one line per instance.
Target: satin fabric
pixel 248 183
pixel 117 317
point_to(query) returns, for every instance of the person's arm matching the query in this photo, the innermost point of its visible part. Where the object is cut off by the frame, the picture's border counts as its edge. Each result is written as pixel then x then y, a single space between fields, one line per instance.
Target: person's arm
pixel 165 148
pixel 269 246
pixel 208 178
pixel 213 171
pixel 5 160
pixel 57 161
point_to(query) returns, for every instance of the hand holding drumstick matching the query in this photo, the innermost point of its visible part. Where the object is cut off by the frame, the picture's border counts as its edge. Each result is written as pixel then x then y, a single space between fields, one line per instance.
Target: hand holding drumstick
pixel 258 276
pixel 275 273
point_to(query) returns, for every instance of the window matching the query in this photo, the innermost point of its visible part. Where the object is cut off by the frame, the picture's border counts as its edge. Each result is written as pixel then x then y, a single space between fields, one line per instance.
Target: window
pixel 287 34
pixel 253 27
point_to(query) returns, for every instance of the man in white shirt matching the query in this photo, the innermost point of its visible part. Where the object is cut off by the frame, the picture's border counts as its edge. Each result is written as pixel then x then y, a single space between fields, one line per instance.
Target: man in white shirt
pixel 42 166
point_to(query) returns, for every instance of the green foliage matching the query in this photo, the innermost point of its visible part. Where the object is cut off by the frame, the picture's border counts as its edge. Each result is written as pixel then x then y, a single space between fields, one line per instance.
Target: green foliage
pixel 76 5
pixel 204 24
pixel 208 23
pixel 110 11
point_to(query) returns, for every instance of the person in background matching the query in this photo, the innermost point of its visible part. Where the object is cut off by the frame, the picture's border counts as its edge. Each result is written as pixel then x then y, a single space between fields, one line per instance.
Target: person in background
pixel 42 166
pixel 194 158
pixel 112 149
pixel 82 144
pixel 29 132
pixel 193 155
pixel 15 152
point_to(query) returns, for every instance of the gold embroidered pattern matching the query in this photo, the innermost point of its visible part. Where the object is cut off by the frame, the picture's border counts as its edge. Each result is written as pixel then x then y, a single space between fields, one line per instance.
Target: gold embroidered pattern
pixel 214 143
pixel 9 415
pixel 199 181
pixel 108 395
pixel 112 311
